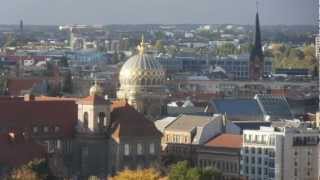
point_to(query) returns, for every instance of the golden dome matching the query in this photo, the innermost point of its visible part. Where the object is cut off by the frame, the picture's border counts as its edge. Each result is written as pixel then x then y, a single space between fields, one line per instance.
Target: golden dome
pixel 141 70
pixel 96 89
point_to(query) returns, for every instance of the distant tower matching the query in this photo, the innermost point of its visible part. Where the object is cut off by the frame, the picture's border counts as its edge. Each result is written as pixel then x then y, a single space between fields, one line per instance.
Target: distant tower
pixel 256 64
pixel 21 27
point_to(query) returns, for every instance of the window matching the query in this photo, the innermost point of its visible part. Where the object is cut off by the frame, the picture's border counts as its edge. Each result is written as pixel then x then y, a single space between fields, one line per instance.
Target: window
pixel 35 129
pixel 151 148
pixel 259 160
pixel 126 150
pixel 253 170
pixel 56 129
pixel 101 119
pixel 139 149
pixel 45 129
pixel 85 120
pixel 253 160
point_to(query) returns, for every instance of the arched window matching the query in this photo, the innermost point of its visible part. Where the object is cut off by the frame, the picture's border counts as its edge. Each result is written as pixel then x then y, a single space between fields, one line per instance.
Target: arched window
pixel 143 81
pixel 101 119
pixel 85 120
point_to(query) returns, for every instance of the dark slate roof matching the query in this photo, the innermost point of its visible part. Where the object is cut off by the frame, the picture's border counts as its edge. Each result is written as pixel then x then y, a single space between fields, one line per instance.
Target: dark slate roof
pixel 276 107
pixel 238 107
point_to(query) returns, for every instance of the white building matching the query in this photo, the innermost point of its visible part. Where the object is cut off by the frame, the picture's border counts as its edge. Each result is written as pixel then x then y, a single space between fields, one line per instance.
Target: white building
pixel 280 154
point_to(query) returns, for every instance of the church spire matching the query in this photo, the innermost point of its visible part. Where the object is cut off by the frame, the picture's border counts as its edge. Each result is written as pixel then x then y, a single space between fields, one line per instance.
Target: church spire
pixel 257 37
pixel 256 69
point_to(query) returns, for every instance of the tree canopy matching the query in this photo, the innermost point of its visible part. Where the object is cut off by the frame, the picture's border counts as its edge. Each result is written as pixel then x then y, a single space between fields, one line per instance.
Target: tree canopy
pixel 183 171
pixel 143 174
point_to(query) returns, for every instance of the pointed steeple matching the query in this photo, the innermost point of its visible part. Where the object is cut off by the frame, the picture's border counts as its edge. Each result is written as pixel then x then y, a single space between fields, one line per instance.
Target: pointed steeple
pixel 256 69
pixel 257 37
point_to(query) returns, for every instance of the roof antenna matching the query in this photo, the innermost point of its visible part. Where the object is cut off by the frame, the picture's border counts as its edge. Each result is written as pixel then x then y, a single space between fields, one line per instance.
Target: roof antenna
pixel 257 5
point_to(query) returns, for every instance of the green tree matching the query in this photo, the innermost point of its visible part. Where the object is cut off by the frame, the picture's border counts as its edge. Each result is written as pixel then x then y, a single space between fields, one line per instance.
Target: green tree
pixel 37 169
pixel 183 171
pixel 179 171
pixel 159 46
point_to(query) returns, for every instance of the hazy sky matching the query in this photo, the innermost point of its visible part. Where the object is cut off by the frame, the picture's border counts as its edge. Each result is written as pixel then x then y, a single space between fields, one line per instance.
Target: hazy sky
pixel 157 11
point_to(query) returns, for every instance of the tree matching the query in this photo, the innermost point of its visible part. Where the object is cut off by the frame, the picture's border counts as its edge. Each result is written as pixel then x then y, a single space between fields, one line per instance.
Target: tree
pixel 145 174
pixel 179 171
pixel 183 171
pixel 23 173
pixel 159 46
pixel 37 169
pixel 67 83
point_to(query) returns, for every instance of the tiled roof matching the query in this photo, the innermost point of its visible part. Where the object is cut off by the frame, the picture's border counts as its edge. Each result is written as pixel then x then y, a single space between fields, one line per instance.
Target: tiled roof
pixel 188 122
pixel 19 151
pixel 96 100
pixel 15 86
pixel 127 122
pixel 22 116
pixel 226 141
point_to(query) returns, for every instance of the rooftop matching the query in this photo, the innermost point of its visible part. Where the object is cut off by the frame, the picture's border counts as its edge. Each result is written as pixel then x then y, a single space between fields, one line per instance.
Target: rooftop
pixel 226 141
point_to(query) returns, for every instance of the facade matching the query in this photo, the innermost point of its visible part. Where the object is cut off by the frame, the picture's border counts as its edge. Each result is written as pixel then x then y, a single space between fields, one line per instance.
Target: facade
pixel 280 153
pixel 84 137
pixel 222 153
pixel 38 129
pixel 238 67
pixel 184 134
pixel 142 81
pixel 256 64
pixel 133 146
pixel 91 144
pixel 318 46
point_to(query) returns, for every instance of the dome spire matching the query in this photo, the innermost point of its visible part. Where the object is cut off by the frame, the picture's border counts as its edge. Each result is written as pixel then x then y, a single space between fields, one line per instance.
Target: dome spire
pixel 141 47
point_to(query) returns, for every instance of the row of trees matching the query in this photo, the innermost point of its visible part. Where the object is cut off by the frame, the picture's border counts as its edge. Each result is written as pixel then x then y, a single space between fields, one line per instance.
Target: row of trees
pixel 37 169
pixel 179 171
pixel 292 57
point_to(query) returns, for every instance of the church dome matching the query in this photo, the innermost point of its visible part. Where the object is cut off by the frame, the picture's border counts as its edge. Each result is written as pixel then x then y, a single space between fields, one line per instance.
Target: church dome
pixel 141 70
pixel 96 89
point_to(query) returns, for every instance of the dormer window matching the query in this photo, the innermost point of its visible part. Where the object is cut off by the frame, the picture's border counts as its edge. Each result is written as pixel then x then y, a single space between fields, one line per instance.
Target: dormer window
pixel 45 129
pixel 35 129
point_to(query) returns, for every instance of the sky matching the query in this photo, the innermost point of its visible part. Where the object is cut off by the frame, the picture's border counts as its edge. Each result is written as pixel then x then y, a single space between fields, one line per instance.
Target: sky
pixel 104 12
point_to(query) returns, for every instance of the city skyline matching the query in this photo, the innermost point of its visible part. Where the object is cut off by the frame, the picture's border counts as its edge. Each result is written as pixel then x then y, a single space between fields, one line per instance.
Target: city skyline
pixel 273 12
